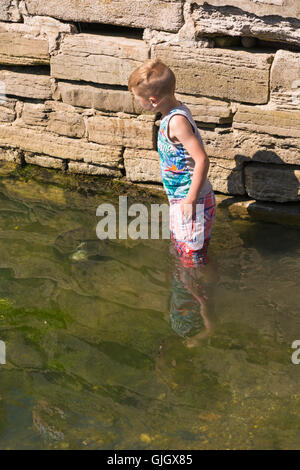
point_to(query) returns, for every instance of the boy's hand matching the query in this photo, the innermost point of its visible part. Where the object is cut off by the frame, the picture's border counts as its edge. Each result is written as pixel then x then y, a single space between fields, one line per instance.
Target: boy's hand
pixel 188 211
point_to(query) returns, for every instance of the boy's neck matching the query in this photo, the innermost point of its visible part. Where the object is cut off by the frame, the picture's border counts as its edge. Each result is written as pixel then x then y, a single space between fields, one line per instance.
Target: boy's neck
pixel 167 104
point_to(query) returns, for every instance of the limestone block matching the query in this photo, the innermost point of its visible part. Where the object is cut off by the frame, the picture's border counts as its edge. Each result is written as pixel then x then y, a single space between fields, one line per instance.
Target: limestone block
pixel 142 165
pixel 61 121
pixel 48 28
pixel 266 148
pixel 206 109
pixel 7 110
pixel 21 82
pixel 31 42
pixel 34 114
pixel 9 10
pixel 216 19
pixel 157 14
pixel 266 134
pixel 85 168
pixel 10 155
pixel 43 160
pixel 219 142
pixel 280 183
pixel 69 124
pixel 221 73
pixel 123 129
pixel 185 36
pixel 88 96
pixel 284 8
pixel 267 119
pixel 285 80
pixel 226 176
pixel 18 46
pixel 98 58
pixel 279 213
pixel 40 142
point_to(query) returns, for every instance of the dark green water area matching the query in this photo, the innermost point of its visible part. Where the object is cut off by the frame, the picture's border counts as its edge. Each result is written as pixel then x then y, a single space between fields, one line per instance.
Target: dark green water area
pixel 109 345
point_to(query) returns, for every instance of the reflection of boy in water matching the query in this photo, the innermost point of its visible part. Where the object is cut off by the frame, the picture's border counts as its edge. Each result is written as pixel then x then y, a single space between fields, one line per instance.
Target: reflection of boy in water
pixel 189 316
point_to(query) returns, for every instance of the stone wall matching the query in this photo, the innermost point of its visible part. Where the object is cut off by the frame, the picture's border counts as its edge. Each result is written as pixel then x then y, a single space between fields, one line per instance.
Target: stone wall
pixel 64 102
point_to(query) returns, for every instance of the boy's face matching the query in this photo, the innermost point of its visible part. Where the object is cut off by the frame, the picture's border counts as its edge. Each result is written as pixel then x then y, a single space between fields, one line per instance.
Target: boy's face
pixel 149 104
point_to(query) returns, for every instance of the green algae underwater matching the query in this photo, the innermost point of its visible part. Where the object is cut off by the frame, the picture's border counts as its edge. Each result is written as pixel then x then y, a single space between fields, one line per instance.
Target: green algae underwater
pixel 94 357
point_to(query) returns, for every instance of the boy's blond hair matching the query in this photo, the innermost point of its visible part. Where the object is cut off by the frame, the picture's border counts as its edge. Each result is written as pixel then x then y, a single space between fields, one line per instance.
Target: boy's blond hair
pixel 152 78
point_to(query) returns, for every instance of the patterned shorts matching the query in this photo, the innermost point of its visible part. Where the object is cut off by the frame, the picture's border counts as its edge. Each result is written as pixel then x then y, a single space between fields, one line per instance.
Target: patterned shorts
pixel 191 240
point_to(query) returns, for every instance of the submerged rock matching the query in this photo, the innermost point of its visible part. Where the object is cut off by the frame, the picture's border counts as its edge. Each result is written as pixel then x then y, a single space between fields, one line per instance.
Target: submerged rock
pixel 81 254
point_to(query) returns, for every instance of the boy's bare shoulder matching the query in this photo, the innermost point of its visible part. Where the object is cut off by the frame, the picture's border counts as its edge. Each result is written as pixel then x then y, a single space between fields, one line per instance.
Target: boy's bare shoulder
pixel 179 125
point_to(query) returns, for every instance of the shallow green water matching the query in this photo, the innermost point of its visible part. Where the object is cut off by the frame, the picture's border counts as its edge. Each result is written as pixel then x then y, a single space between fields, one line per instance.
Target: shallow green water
pixel 95 359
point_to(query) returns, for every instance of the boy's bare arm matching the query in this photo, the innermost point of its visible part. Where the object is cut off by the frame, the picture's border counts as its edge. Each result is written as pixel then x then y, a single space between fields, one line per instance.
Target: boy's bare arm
pixel 180 129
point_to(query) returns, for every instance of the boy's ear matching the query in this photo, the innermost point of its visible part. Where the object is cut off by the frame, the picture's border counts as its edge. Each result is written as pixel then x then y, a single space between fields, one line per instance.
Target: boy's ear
pixel 154 101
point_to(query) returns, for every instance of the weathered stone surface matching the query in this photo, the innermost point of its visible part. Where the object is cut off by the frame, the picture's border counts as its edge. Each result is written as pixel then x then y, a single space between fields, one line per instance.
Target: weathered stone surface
pixel 266 182
pixel 35 141
pixel 34 114
pixel 30 43
pixel 257 21
pixel 66 122
pixel 219 142
pixel 63 121
pixel 285 8
pixel 85 168
pixel 98 58
pixel 285 80
pixel 43 160
pixel 222 73
pixel 28 85
pixel 251 145
pixel 142 165
pixel 266 148
pixel 265 134
pixel 10 155
pixel 268 120
pixel 156 14
pixel 9 10
pixel 283 213
pixel 7 110
pixel 88 96
pixel 186 36
pixel 48 28
pixel 206 109
pixel 123 130
pixel 226 176
pixel 19 46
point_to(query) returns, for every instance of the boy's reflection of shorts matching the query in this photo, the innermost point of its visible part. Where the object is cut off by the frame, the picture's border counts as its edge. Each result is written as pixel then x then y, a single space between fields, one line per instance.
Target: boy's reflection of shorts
pixel 191 245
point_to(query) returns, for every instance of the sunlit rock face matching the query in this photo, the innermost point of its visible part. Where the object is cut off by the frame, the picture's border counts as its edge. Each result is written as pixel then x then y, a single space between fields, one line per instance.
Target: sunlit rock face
pixel 64 101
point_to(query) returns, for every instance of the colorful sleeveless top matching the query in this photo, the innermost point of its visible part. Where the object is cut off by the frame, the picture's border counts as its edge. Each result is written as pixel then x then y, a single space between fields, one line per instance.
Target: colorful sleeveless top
pixel 176 165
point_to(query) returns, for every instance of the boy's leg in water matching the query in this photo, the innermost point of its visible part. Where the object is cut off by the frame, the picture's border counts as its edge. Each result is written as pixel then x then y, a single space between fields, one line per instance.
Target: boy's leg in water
pixel 200 281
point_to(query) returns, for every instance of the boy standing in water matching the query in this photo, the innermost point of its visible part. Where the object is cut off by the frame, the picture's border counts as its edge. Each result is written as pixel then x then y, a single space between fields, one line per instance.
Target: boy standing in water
pixel 184 163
